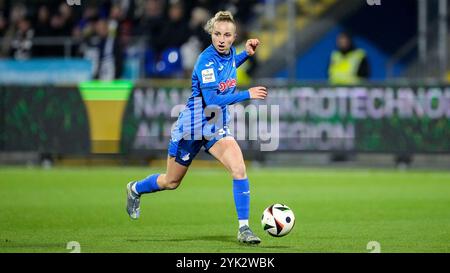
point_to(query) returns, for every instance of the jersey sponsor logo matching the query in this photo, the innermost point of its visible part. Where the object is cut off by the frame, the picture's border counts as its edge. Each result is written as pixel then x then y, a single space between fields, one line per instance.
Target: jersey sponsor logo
pixel 208 75
pixel 230 83
pixel 220 68
pixel 209 64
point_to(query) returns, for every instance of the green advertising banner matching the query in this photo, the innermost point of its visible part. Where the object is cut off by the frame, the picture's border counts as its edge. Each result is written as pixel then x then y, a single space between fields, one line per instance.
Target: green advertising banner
pixel 45 119
pixel 361 119
pixel 127 119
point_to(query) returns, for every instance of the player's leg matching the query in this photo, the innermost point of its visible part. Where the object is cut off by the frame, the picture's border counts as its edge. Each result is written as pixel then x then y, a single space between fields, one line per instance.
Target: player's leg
pixel 228 152
pixel 173 176
pixel 165 181
pixel 181 153
pixel 154 183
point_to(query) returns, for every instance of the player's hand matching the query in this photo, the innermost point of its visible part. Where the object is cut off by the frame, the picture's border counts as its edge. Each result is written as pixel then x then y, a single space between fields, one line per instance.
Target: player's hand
pixel 251 45
pixel 259 92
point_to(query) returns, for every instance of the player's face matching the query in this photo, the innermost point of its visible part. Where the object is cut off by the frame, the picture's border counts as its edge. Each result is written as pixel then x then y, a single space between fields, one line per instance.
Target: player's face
pixel 223 36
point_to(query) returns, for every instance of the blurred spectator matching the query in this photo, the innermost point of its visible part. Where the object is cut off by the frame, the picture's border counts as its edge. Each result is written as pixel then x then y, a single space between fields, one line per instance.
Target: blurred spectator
pixel 42 29
pixel 18 12
pixel 166 54
pixel 211 6
pixel 116 17
pixel 151 22
pixel 22 41
pixel 104 51
pixel 42 24
pixel 139 9
pixel 85 25
pixel 120 25
pixel 62 23
pixel 199 17
pixel 126 6
pixel 241 10
pixel 198 39
pixel 175 31
pixel 348 64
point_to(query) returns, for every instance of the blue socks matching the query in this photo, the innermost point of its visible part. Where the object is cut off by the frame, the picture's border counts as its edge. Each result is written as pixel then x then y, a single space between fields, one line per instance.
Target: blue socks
pixel 148 184
pixel 241 194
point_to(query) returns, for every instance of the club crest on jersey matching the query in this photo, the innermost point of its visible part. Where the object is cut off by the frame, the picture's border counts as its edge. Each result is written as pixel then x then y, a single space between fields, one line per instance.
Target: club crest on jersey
pixel 230 83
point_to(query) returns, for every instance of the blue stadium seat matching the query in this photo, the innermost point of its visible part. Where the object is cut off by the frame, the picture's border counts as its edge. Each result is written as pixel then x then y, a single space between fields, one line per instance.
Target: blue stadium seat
pixel 170 63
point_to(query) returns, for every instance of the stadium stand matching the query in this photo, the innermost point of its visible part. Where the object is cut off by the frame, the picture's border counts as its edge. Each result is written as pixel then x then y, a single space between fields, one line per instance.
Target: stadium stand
pixel 154 31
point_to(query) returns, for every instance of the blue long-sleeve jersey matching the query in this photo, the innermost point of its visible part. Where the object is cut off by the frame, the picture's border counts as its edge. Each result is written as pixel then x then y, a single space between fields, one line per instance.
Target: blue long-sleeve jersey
pixel 213 86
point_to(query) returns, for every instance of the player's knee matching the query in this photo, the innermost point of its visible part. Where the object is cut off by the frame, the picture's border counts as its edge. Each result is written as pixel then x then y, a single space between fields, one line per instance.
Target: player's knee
pixel 172 184
pixel 239 171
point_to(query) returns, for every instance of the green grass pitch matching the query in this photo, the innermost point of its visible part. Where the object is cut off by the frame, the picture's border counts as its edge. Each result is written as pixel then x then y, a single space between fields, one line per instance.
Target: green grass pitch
pixel 336 211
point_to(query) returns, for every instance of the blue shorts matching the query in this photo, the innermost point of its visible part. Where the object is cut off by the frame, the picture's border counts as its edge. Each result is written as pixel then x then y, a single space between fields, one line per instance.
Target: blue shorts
pixel 185 150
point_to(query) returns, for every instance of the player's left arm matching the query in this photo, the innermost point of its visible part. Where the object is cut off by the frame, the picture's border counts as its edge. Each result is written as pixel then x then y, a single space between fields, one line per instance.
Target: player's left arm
pixel 250 50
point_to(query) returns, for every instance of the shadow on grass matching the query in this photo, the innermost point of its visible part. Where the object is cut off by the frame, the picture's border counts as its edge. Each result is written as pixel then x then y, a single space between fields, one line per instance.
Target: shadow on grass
pixel 275 247
pixel 219 238
pixel 212 238
pixel 4 244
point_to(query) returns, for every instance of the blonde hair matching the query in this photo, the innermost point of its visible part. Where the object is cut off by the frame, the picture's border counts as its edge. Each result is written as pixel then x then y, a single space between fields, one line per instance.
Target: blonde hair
pixel 221 16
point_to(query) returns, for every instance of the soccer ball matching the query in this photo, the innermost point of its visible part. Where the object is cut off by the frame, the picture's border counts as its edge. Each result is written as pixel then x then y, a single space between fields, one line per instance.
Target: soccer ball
pixel 278 220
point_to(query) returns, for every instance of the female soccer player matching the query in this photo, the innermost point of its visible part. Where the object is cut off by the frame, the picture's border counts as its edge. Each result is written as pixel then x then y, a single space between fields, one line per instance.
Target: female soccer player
pixel 213 89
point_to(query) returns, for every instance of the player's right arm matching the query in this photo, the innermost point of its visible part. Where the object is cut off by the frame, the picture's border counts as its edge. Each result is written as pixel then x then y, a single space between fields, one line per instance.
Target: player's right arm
pixel 209 87
pixel 250 50
pixel 258 92
pixel 212 97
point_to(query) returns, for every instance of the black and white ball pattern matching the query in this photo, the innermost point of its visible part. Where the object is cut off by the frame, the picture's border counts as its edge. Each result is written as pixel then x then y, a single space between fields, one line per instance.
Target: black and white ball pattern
pixel 278 220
